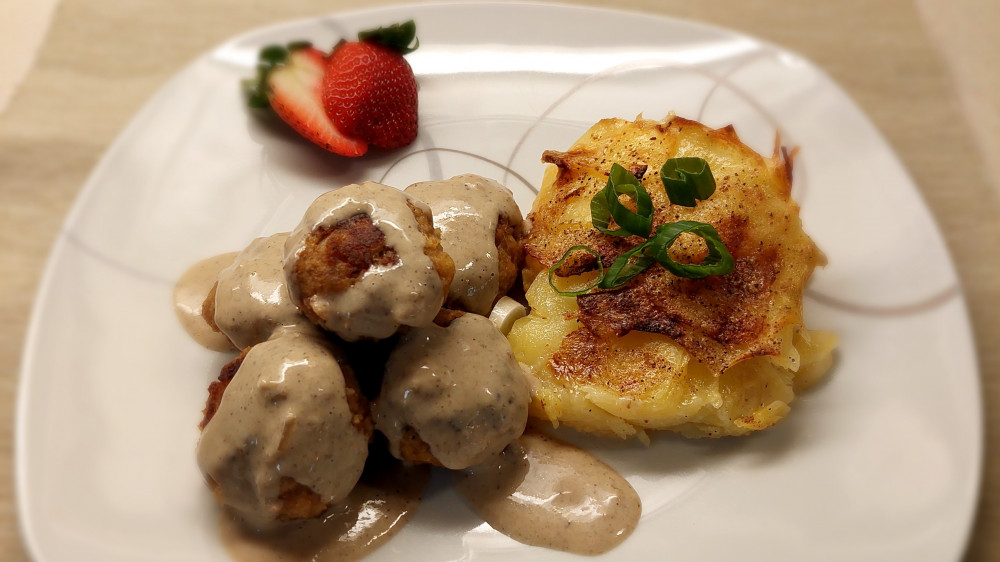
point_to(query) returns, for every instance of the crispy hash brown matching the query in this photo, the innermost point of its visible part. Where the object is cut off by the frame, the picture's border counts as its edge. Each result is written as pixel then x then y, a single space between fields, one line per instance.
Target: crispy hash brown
pixel 716 356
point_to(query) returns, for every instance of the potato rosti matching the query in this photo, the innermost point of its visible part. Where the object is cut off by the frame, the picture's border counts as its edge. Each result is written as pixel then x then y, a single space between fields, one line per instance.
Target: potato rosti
pixel 713 356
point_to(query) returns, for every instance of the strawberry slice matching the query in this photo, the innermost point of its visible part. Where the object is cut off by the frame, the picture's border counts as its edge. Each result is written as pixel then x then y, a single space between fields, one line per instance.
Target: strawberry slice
pixel 291 81
pixel 369 89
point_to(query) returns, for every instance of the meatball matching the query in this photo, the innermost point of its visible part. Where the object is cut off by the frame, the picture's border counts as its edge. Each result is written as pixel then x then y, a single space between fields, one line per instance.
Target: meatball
pixel 452 396
pixel 482 230
pixel 366 260
pixel 285 431
pixel 250 299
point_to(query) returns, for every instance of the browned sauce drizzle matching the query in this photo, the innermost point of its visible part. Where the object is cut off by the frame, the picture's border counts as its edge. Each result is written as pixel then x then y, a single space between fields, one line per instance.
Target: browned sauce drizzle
pixel 189 294
pixel 547 493
pixel 538 491
pixel 378 507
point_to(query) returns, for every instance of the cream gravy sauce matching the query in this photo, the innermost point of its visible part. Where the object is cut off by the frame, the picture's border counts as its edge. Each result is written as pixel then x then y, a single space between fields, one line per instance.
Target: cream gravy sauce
pixel 189 294
pixel 466 209
pixel 380 505
pixel 252 300
pixel 408 292
pixel 459 388
pixel 284 414
pixel 547 493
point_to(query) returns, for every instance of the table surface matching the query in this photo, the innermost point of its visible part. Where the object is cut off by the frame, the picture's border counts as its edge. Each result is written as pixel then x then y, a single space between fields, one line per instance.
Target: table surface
pixel 927 76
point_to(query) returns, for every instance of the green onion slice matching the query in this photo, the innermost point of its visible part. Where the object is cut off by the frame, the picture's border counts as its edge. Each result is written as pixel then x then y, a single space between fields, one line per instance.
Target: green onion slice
pixel 627 266
pixel 606 206
pixel 687 180
pixel 580 291
pixel 718 261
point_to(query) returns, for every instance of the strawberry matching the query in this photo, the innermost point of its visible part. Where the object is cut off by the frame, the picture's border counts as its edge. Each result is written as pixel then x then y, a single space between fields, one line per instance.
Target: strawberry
pixel 369 90
pixel 290 82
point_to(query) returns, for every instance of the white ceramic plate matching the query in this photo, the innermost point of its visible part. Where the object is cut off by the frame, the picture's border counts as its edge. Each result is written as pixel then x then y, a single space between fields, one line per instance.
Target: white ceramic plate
pixel 879 463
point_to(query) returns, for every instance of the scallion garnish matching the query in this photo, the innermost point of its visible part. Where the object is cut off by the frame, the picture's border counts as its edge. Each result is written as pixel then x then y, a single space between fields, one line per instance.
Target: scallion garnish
pixel 627 266
pixel 606 206
pixel 718 261
pixel 558 264
pixel 687 180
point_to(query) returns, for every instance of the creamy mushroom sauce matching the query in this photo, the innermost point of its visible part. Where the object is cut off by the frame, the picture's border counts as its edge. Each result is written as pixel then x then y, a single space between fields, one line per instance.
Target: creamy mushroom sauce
pixel 252 299
pixel 381 504
pixel 459 388
pixel 408 292
pixel 284 414
pixel 546 493
pixel 189 295
pixel 466 209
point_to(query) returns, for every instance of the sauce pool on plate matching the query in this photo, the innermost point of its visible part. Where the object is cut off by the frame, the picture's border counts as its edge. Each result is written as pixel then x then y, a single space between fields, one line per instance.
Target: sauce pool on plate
pixel 189 295
pixel 379 506
pixel 547 493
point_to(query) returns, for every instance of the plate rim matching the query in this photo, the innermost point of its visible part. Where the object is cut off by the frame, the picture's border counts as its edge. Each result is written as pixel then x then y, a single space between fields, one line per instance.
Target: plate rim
pixel 40 302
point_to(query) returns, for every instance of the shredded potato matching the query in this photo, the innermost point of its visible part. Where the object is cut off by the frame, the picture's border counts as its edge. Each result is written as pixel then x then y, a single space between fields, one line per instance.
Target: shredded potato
pixel 708 357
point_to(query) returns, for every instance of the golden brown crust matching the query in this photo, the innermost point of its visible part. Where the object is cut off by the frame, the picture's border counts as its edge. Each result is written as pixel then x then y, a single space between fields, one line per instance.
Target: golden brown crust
pixel 585 359
pixel 510 245
pixel 719 320
pixel 443 263
pixel 356 401
pixel 509 241
pixel 446 316
pixel 333 258
pixel 730 310
pixel 412 448
pixel 298 501
pixel 217 387
pixel 361 417
pixel 208 308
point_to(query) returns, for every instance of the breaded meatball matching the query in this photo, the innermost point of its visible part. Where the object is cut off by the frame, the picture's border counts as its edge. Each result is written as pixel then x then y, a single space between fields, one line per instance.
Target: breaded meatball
pixel 250 299
pixel 509 240
pixel 452 396
pixel 285 430
pixel 365 260
pixel 482 230
pixel 218 387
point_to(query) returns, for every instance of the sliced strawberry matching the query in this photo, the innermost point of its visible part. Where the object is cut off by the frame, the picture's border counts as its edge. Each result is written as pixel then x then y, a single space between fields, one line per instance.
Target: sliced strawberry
pixel 292 80
pixel 369 90
pixel 296 96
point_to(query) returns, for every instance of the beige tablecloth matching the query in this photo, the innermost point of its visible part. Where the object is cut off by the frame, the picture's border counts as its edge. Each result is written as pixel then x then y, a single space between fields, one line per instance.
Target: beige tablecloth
pixel 104 58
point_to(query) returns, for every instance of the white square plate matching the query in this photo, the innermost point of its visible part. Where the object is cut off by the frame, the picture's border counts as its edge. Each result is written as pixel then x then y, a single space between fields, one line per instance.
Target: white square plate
pixel 879 463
